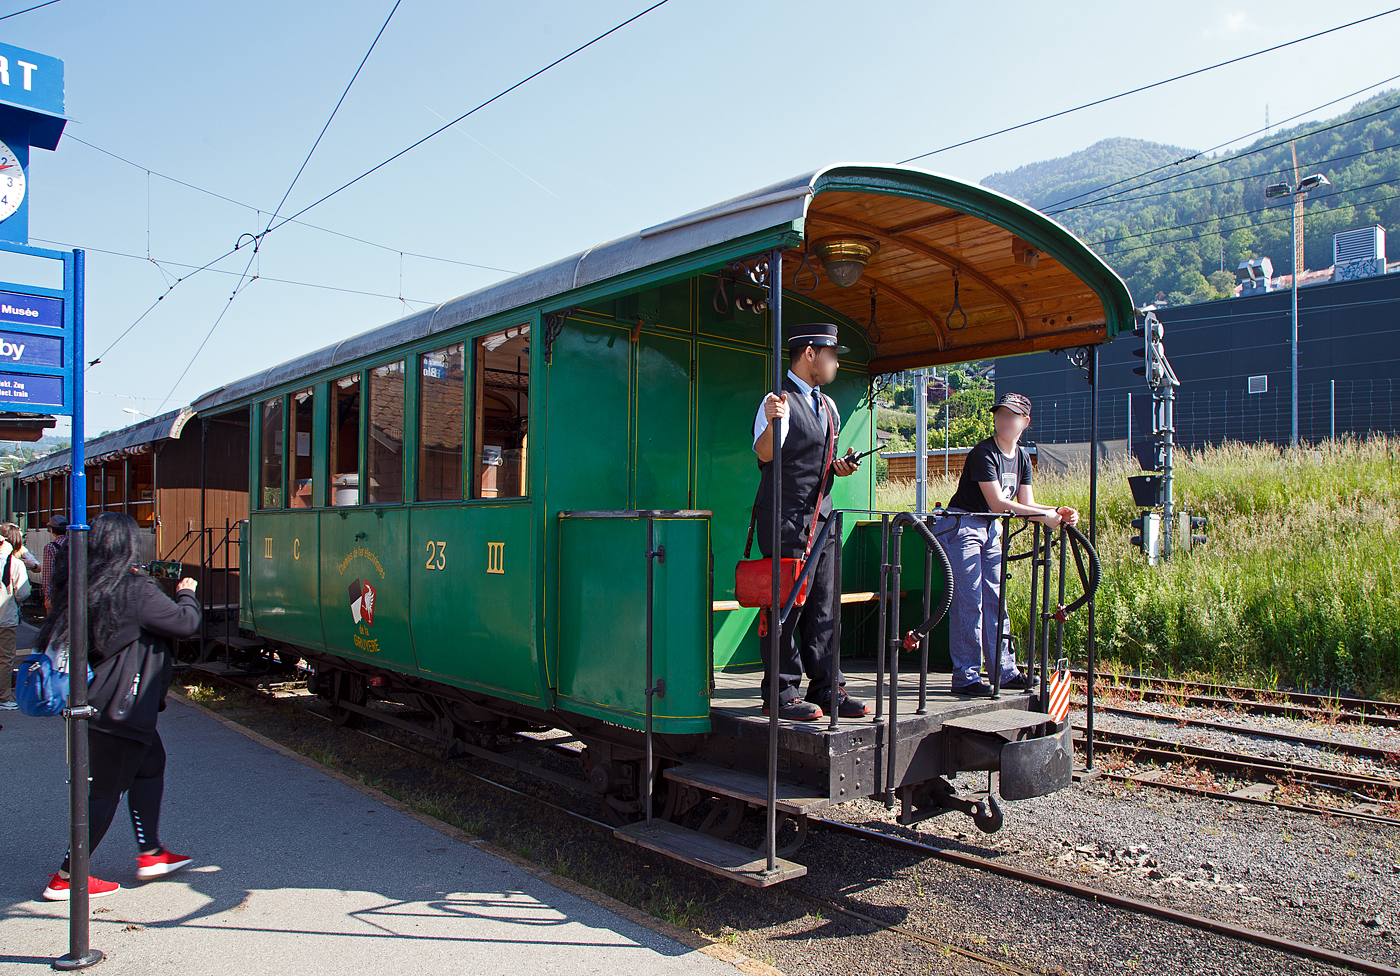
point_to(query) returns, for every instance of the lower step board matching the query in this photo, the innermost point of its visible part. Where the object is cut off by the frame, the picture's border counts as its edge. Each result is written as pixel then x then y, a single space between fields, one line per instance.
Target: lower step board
pixel 709 853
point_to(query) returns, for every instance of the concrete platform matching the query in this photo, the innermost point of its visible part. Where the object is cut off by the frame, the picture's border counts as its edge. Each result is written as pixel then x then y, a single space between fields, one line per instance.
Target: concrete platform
pixel 294 871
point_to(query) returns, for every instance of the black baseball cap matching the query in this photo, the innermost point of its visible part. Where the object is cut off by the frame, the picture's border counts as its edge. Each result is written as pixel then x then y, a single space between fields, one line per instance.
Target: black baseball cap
pixel 815 334
pixel 58 523
pixel 1015 403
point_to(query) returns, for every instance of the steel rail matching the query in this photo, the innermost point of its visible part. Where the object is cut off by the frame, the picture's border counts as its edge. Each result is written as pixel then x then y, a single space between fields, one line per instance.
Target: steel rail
pixel 1136 905
pixel 813 899
pixel 1096 895
pixel 1349 748
pixel 1147 746
pixel 1330 708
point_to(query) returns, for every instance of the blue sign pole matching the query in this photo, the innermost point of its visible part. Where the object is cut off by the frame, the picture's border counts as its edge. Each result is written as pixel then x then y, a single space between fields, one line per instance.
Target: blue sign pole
pixel 80 953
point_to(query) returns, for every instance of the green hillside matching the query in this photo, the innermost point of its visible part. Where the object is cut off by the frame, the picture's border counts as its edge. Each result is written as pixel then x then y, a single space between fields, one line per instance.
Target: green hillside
pixel 1168 231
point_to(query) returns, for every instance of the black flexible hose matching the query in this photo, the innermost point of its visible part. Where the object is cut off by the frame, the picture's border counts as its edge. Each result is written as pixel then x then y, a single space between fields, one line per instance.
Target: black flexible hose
pixel 936 547
pixel 1081 544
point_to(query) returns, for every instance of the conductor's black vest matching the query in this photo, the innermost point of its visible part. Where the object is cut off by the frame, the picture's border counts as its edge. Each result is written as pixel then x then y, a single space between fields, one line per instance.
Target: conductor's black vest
pixel 804 456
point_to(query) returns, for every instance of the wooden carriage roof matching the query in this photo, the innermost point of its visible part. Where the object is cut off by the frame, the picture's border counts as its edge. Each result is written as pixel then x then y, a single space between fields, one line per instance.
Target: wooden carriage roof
pixel 127 442
pixel 934 232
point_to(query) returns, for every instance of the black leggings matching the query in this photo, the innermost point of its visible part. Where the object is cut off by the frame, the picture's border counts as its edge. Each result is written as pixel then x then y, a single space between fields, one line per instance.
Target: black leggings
pixel 125 766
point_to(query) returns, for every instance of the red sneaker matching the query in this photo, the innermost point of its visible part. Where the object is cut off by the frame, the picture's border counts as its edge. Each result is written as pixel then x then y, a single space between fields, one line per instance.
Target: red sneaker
pixel 58 888
pixel 160 863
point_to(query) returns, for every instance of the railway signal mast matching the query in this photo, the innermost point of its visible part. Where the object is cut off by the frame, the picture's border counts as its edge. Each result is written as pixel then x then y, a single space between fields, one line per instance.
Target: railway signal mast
pixel 1154 528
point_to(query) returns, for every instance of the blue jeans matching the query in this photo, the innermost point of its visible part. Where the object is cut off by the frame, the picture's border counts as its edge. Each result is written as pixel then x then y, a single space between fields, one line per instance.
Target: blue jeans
pixel 973 544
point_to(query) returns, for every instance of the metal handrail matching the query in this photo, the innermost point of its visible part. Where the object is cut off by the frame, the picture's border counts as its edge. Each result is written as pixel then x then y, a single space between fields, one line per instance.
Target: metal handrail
pixel 891 642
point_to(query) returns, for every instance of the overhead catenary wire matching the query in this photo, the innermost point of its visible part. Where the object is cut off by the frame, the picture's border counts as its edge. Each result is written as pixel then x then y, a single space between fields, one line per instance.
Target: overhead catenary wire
pixel 501 94
pixel 302 223
pixel 1238 213
pixel 331 118
pixel 48 3
pixel 163 263
pixel 152 307
pixel 1155 84
pixel 258 239
pixel 496 97
pixel 1259 223
pixel 1234 179
pixel 1229 142
pixel 1223 160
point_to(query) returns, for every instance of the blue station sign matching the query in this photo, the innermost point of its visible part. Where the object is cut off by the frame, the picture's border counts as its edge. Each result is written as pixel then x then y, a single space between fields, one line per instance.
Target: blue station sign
pixel 31 310
pixel 31 393
pixel 40 345
pixel 31 81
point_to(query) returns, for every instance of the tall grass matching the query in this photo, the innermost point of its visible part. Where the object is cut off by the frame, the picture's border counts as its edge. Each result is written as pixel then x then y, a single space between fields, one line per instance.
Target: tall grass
pixel 1299 582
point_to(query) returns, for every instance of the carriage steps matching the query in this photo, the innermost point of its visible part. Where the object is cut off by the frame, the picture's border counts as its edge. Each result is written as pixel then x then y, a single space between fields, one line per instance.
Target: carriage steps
pixel 711 853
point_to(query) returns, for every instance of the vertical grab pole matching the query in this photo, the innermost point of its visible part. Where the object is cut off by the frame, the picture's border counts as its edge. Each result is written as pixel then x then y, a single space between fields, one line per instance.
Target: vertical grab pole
pixel 775 630
pixel 1044 621
pixel 1093 522
pixel 651 684
pixel 228 624
pixel 928 611
pixel 1032 660
pixel 836 623
pixel 892 736
pixel 880 640
pixel 203 578
pixel 994 666
pixel 80 952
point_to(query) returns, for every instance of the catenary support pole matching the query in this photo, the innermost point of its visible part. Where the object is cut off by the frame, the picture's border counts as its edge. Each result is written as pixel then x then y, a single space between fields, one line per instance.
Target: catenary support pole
pixel 80 952
pixel 921 441
pixel 1093 523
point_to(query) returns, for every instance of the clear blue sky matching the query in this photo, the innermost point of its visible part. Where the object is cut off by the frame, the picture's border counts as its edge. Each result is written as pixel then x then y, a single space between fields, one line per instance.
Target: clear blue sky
pixel 699 101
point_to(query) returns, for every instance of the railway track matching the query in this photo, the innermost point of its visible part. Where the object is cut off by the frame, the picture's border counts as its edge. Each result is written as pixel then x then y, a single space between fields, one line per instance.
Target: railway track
pixel 1253 701
pixel 1095 895
pixel 1371 788
pixel 1345 748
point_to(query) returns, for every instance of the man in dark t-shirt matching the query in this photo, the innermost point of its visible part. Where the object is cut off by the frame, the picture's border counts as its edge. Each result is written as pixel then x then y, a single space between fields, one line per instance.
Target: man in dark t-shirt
pixel 995 481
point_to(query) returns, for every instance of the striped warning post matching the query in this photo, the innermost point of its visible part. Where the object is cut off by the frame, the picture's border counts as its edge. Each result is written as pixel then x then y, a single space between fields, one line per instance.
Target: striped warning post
pixel 1059 696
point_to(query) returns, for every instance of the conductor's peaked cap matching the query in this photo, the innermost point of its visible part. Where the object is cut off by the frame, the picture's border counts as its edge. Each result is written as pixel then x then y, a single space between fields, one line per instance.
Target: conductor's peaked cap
pixel 815 334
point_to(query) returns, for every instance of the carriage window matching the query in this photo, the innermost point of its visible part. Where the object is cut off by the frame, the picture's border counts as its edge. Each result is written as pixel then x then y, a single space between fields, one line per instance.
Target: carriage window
pixel 345 440
pixel 299 462
pixel 442 401
pixel 386 434
pixel 502 413
pixel 271 454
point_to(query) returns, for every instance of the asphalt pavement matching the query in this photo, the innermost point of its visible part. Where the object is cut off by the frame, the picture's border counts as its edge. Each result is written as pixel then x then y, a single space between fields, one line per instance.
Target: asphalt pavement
pixel 294 871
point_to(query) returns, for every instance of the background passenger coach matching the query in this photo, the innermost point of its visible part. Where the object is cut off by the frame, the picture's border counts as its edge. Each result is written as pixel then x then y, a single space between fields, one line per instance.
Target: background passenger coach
pixel 522 509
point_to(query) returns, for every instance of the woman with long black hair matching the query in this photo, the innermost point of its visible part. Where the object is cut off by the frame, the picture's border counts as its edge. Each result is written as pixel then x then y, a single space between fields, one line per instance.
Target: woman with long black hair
pixel 129 619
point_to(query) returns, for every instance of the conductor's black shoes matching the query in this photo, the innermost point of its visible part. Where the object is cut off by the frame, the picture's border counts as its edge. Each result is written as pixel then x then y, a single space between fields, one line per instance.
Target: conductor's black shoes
pixel 979 689
pixel 846 706
pixel 1020 682
pixel 796 710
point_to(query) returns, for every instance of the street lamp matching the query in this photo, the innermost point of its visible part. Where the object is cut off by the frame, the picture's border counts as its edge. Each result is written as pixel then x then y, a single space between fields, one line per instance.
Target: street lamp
pixel 1299 193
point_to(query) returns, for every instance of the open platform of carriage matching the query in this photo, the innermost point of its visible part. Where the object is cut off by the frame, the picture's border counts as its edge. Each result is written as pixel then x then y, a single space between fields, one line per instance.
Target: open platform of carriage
pixel 820 765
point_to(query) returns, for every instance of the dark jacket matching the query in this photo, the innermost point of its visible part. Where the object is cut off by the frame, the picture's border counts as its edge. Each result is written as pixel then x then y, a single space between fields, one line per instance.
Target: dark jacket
pixel 804 457
pixel 131 670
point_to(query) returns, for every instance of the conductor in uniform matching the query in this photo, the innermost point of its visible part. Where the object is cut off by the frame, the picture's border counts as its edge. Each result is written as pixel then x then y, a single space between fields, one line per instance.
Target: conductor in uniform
pixel 808 418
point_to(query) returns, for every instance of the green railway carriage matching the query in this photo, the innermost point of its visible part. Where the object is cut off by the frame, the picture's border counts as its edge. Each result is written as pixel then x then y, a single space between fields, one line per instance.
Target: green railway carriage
pixel 510 509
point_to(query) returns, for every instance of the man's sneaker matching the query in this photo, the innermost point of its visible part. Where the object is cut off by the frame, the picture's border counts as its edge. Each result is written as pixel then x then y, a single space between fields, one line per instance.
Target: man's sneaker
pixel 58 888
pixel 978 689
pixel 797 710
pixel 160 863
pixel 9 706
pixel 1018 683
pixel 846 706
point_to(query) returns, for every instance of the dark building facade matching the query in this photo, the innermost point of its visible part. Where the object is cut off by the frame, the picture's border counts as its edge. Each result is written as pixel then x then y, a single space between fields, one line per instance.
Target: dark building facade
pixel 1232 357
